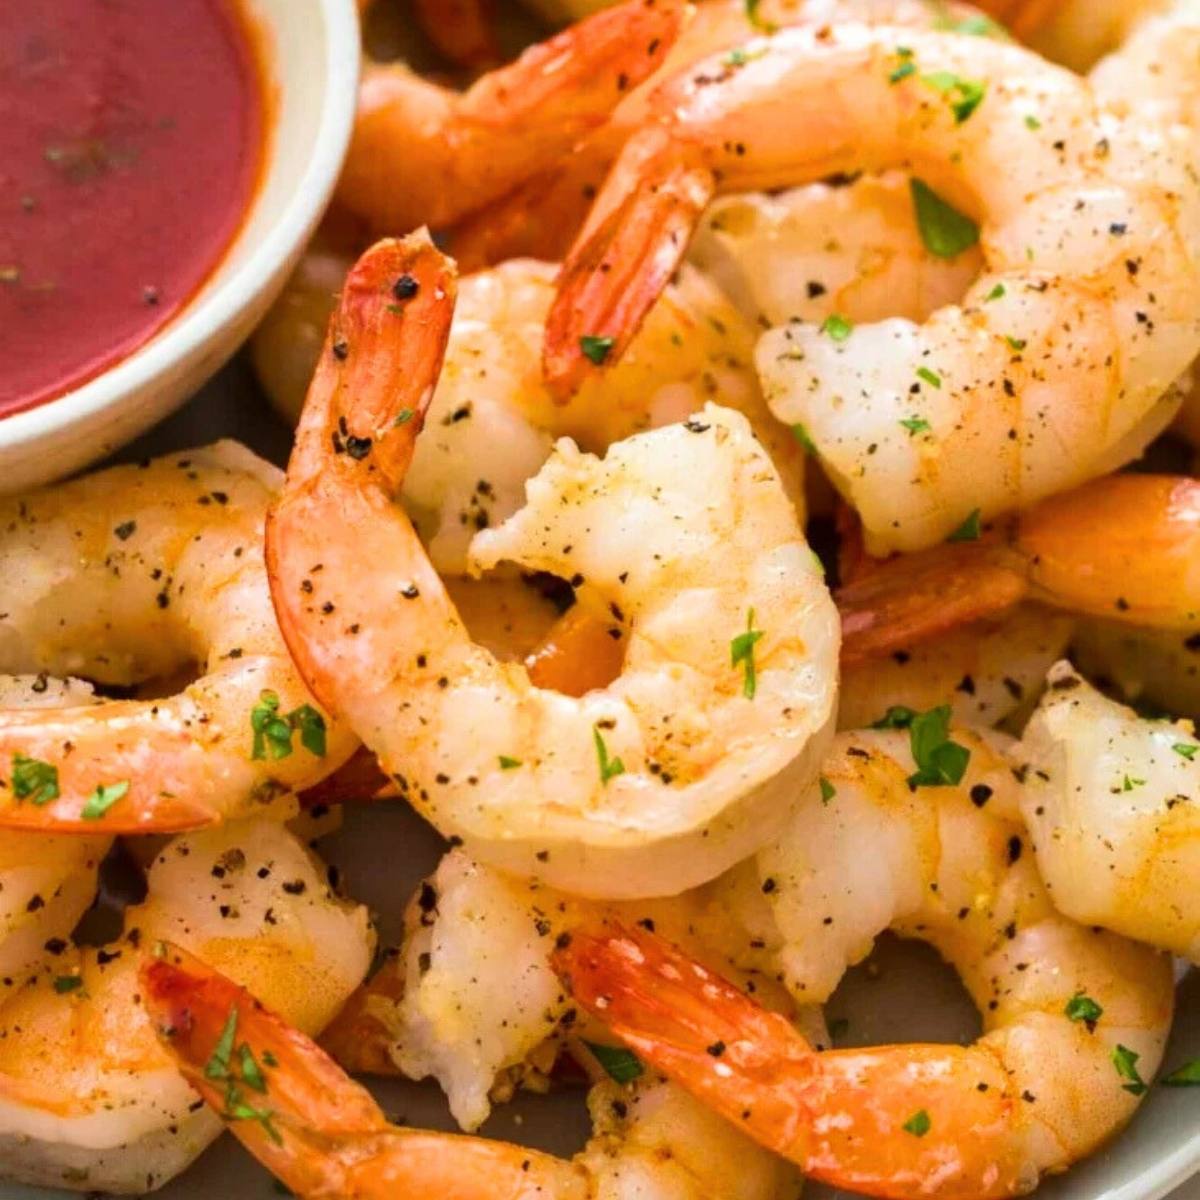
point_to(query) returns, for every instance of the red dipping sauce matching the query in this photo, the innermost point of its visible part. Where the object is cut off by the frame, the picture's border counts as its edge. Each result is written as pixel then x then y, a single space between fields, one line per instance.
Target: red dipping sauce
pixel 131 140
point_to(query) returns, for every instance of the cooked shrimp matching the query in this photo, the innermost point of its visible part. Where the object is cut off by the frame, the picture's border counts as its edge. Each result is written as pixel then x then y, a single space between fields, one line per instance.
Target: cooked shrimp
pixel 1075 1020
pixel 324 1136
pixel 640 788
pixel 134 574
pixel 88 1100
pixel 1111 803
pixel 423 154
pixel 1069 341
pixel 471 999
pixel 46 883
pixel 1124 548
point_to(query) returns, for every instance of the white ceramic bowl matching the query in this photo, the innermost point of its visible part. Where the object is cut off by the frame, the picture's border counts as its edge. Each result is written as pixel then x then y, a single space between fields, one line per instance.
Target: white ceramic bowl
pixel 312 52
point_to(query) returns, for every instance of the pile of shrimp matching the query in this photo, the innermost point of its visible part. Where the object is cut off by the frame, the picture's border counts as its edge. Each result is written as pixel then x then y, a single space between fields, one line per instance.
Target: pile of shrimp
pixel 742 502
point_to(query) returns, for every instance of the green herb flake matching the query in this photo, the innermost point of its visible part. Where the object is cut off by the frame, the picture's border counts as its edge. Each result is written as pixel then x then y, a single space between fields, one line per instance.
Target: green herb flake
pixel 977 26
pixel 1031 122
pixel 596 349
pixel 1185 750
pixel 252 1074
pixel 311 725
pixel 996 293
pixel 940 761
pixel 273 730
pixel 1125 1061
pixel 828 791
pixel 103 798
pixel 916 425
pixel 741 652
pixel 930 377
pixel 67 983
pixel 621 1065
pixel 1128 783
pixel 896 717
pixel 404 416
pixel 750 8
pixel 1081 1007
pixel 610 768
pixel 945 231
pixel 838 328
pixel 509 764
pixel 963 95
pixel 740 56
pixel 903 71
pixel 969 530
pixel 1017 344
pixel 217 1066
pixel 34 780
pixel 802 436
pixel 918 1124
pixel 1187 1075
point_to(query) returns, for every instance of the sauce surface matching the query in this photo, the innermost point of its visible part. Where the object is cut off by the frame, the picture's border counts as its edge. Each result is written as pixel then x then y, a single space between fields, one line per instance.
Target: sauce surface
pixel 131 138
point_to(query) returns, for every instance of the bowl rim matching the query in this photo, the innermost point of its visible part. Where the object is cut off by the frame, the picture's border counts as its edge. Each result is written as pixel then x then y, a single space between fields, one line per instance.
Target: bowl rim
pixel 199 320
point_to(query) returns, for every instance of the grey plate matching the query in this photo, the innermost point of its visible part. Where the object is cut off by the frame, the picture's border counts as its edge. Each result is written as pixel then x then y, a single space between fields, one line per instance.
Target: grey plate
pixel 902 994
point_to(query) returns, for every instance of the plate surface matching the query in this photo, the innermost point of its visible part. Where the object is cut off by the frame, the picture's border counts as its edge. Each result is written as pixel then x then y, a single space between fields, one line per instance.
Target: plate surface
pixel 903 993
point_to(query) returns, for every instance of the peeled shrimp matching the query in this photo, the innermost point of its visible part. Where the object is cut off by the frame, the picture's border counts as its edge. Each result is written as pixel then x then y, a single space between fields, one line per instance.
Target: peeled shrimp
pixel 1053 324
pixel 324 1136
pixel 1075 1020
pixel 132 575
pixel 423 154
pixel 1111 803
pixel 88 1100
pixel 46 883
pixel 631 790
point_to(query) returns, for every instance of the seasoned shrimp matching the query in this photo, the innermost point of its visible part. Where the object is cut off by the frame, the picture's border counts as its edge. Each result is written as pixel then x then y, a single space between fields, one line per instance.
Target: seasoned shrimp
pixel 46 883
pixel 324 1136
pixel 88 1100
pixel 1111 803
pixel 168 556
pixel 1062 341
pixel 471 998
pixel 639 788
pixel 423 154
pixel 1075 1020
pixel 1123 548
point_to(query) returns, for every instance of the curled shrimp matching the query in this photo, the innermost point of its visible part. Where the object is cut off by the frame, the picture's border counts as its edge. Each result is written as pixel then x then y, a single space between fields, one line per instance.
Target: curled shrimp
pixel 638 788
pixel 88 1100
pixel 423 154
pixel 1111 803
pixel 133 575
pixel 324 1136
pixel 1122 548
pixel 1052 325
pixel 1075 1020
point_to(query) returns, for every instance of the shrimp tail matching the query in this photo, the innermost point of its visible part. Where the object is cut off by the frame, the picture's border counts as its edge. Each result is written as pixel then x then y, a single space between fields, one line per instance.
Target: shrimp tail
pixel 918 596
pixel 623 259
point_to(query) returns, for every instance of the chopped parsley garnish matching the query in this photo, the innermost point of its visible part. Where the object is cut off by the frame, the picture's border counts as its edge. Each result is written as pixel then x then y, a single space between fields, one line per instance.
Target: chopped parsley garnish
pixel 509 764
pixel 273 730
pixel 756 18
pixel 963 95
pixel 1017 344
pixel 828 791
pixel 103 798
pixel 1081 1007
pixel 969 530
pixel 621 1065
pixel 918 1124
pixel 1031 122
pixel 1128 784
pixel 252 1074
pixel 837 327
pixel 34 780
pixel 596 349
pixel 610 768
pixel 67 983
pixel 740 56
pixel 404 416
pixel 217 1066
pixel 1187 1075
pixel 741 652
pixel 1125 1061
pixel 930 377
pixel 996 292
pixel 1185 750
pixel 802 436
pixel 978 26
pixel 940 761
pixel 945 231
pixel 220 1067
pixel 896 717
pixel 903 71
pixel 916 425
